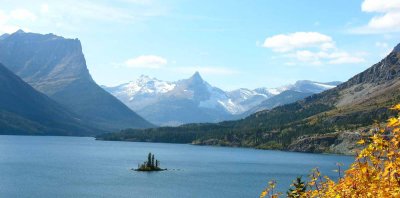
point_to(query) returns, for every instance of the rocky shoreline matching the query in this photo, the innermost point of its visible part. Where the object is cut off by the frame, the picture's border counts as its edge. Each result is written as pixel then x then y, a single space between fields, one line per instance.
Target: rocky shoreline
pixel 336 143
pixel 344 143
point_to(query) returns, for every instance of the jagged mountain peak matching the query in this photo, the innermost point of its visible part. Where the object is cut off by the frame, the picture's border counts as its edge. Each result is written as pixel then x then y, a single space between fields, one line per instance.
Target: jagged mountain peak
pixel 20 31
pixel 145 79
pixel 196 77
pixel 147 85
pixel 40 37
pixel 196 74
pixel 157 99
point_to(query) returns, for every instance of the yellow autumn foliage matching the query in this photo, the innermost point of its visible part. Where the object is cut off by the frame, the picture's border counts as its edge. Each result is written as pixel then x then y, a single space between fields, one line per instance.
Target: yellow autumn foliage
pixel 374 173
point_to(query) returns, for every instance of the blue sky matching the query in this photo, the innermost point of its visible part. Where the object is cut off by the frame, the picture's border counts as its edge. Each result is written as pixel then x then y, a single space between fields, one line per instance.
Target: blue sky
pixel 242 43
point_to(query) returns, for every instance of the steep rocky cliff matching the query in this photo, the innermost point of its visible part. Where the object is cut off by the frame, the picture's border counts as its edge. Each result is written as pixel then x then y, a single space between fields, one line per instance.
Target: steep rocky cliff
pixel 56 66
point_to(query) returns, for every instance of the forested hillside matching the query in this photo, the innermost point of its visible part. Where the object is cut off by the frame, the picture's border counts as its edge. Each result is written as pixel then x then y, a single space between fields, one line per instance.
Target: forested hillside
pixel 359 102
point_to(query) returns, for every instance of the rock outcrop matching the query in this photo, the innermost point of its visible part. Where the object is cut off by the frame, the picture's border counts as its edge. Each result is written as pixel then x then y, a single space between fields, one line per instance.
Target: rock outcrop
pixel 338 143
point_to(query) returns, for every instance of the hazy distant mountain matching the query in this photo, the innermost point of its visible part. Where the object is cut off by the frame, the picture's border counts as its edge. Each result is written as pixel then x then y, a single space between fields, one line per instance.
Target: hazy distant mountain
pixel 141 93
pixel 194 100
pixel 56 66
pixel 307 86
pixel 25 111
pixel 173 103
pixel 243 99
pixel 286 97
pixel 292 93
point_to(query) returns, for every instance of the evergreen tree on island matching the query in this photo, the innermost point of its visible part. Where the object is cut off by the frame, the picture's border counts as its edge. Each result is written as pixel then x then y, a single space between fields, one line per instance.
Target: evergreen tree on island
pixel 151 164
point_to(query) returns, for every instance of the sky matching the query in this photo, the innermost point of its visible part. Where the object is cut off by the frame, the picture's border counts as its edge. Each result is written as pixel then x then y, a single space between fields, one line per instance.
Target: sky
pixel 233 44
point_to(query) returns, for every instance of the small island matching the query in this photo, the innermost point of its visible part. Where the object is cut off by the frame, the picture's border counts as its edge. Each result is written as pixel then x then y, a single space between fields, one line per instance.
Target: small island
pixel 151 164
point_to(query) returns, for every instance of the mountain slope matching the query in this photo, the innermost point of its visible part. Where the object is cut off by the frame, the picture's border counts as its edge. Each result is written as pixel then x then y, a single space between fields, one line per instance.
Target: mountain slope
pixel 23 110
pixel 191 100
pixel 352 105
pixel 286 97
pixel 144 94
pixel 244 99
pixel 56 66
pixel 174 103
pixel 292 93
pixel 308 86
pixel 194 100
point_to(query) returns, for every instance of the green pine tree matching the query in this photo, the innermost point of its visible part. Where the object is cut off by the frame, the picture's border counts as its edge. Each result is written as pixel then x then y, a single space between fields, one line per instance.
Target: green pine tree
pixel 149 160
pixel 152 161
pixel 299 188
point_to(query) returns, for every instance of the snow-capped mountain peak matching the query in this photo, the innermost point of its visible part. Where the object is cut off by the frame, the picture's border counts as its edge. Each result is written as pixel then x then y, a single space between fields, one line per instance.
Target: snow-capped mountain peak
pixel 312 86
pixel 194 99
pixel 144 85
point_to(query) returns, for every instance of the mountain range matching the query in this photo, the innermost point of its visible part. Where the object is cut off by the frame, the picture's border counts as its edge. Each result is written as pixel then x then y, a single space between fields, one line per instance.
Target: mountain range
pixel 56 67
pixel 314 124
pixel 194 100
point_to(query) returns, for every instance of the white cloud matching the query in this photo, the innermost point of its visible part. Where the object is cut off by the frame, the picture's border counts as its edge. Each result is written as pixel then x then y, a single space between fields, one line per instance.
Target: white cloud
pixel 125 11
pixel 388 22
pixel 312 48
pixel 75 16
pixel 380 5
pixel 146 61
pixel 22 14
pixel 44 8
pixel 289 42
pixel 387 18
pixel 8 20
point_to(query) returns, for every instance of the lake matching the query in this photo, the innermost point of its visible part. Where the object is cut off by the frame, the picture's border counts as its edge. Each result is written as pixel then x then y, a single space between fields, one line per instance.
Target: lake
pixel 33 166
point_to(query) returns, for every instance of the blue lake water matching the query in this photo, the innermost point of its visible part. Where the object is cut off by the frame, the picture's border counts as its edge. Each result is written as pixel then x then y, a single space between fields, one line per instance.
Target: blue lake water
pixel 32 166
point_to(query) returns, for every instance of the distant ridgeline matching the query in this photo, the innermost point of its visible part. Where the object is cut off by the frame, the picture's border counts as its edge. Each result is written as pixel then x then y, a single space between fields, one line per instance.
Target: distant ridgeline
pixel 151 164
pixel 322 118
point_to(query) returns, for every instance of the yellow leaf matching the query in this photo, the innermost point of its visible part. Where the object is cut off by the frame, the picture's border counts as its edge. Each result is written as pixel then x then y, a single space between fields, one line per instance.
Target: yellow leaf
pixel 362 141
pixel 263 194
pixel 396 107
pixel 392 122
